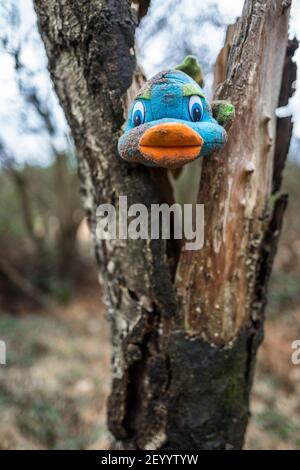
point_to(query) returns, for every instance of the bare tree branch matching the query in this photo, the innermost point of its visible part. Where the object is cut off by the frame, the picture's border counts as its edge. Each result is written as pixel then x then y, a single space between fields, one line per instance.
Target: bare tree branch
pixel 284 126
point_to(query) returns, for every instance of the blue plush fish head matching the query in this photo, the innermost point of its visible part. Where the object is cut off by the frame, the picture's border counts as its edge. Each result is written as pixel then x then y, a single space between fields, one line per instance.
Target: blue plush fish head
pixel 171 122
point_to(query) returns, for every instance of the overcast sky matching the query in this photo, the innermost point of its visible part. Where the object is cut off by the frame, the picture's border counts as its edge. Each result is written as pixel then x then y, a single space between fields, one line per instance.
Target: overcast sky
pixel 15 115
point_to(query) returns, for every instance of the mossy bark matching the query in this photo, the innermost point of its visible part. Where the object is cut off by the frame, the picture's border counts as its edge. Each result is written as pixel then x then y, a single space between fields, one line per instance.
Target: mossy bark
pixel 185 326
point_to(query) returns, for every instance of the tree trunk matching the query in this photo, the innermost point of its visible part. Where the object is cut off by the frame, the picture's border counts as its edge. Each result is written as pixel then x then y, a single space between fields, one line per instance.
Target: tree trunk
pixel 184 333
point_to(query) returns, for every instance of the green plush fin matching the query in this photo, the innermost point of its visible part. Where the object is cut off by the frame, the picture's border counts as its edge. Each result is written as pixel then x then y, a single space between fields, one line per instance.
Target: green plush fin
pixel 144 93
pixel 223 112
pixel 191 67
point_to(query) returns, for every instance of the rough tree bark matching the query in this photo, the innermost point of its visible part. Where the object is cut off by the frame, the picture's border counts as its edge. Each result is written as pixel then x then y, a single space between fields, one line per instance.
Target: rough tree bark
pixel 184 337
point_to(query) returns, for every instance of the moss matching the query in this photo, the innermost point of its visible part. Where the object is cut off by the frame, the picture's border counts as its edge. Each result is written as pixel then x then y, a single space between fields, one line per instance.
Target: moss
pixel 215 382
pixel 223 112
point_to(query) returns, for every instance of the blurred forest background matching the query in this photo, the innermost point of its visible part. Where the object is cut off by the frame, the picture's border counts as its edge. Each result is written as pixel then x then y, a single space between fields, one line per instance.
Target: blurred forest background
pixel 54 386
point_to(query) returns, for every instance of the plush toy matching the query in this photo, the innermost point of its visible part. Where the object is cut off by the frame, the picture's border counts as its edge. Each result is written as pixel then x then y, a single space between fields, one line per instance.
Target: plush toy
pixel 171 123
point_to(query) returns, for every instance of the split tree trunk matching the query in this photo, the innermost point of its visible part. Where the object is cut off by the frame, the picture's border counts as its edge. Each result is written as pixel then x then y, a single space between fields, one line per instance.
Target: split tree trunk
pixel 184 333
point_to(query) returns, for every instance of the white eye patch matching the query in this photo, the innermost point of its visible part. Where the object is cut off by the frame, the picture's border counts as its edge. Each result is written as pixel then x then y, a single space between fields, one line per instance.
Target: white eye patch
pixel 138 114
pixel 195 108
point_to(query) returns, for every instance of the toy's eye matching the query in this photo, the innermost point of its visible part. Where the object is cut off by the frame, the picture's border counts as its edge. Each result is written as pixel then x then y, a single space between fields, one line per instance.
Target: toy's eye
pixel 195 108
pixel 138 114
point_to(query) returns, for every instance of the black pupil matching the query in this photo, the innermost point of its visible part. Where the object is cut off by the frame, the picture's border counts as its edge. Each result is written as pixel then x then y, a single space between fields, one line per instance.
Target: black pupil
pixel 196 114
pixel 137 120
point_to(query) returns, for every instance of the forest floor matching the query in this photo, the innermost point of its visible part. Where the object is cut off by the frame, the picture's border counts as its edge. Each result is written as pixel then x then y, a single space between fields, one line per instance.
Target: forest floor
pixel 56 381
pixel 54 387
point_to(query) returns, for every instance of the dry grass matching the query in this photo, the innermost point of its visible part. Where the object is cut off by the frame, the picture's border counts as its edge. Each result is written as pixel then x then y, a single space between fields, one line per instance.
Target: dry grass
pixel 54 387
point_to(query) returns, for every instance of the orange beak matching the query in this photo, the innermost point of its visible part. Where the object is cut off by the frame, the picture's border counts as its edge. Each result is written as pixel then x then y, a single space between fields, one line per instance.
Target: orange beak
pixel 170 145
